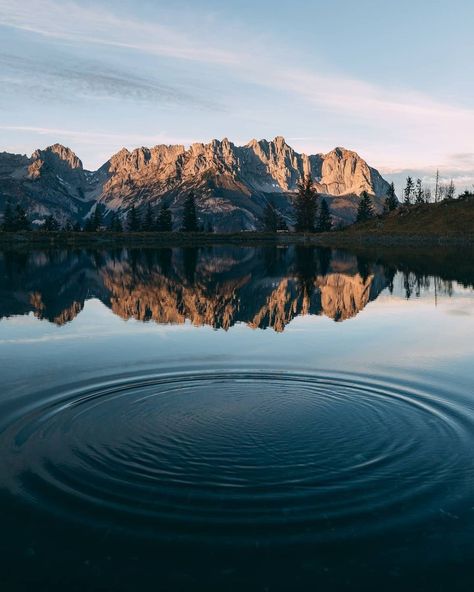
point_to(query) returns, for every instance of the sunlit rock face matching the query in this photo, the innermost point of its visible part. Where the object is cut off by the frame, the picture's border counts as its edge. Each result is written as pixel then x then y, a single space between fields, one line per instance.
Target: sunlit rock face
pixel 262 288
pixel 232 183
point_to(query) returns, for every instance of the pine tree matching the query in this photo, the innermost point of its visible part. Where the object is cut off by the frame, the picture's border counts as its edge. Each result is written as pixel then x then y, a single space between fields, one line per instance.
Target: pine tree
pixel 97 219
pixel 8 218
pixel 419 193
pixel 21 221
pixel 190 222
pixel 305 205
pixel 149 221
pixel 68 227
pixel 133 220
pixel 89 225
pixel 77 227
pixel 366 209
pixel 271 218
pixel 324 222
pixel 391 201
pixel 115 223
pixel 209 228
pixel 451 190
pixel 165 219
pixel 408 191
pixel 51 224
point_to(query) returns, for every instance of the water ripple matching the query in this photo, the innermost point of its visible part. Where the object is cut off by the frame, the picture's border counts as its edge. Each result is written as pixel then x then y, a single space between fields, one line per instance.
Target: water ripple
pixel 241 455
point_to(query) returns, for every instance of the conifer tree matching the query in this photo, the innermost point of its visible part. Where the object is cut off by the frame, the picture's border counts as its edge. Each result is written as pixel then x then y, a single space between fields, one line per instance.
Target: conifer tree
pixel 451 190
pixel 324 222
pixel 51 224
pixel 271 218
pixel 8 218
pixel 366 209
pixel 115 223
pixel 419 193
pixel 165 219
pixel 408 191
pixel 391 201
pixel 305 205
pixel 149 221
pixel 20 221
pixel 190 222
pixel 133 220
pixel 97 219
pixel 77 227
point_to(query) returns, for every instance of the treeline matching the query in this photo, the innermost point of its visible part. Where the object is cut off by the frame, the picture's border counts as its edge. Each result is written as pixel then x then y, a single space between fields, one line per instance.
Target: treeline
pixel 417 193
pixel 311 212
pixel 15 220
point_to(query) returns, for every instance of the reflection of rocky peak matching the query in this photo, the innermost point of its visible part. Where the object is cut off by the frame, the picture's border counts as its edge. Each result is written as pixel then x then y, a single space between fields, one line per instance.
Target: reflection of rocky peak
pixel 218 288
pixel 343 296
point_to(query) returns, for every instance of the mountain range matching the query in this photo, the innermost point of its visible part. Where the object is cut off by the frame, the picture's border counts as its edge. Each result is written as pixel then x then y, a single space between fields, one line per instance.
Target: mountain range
pixel 232 183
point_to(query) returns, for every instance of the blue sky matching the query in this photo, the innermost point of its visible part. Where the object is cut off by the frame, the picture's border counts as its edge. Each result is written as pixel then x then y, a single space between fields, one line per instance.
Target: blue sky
pixel 391 80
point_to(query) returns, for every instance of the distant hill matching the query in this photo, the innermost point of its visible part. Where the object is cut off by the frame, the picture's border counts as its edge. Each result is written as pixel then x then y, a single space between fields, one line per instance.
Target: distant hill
pixel 232 183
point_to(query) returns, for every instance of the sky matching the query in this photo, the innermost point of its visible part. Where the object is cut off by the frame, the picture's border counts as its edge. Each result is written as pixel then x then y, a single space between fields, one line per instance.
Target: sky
pixel 390 80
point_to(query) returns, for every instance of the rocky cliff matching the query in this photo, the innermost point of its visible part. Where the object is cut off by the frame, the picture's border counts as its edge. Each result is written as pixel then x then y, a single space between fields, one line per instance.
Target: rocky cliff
pixel 232 183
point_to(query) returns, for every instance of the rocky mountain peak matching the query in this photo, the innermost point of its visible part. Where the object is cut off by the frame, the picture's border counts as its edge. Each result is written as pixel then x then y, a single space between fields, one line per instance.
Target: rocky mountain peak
pixel 57 153
pixel 232 183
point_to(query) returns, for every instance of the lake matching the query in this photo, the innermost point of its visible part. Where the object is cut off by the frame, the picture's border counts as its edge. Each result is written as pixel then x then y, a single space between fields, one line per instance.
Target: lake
pixel 237 418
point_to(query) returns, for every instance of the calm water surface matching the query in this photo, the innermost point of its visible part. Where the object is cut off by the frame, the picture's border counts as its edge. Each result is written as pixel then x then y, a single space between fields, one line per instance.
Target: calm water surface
pixel 236 419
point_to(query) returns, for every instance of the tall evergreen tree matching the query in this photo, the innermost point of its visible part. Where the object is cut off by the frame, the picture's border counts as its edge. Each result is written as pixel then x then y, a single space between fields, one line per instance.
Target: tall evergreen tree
pixel 391 201
pixel 133 220
pixel 408 191
pixel 21 221
pixel 115 223
pixel 149 220
pixel 77 227
pixel 8 218
pixel 89 225
pixel 366 209
pixel 324 222
pixel 451 190
pixel 51 224
pixel 97 219
pixel 165 219
pixel 68 227
pixel 305 205
pixel 419 192
pixel 190 221
pixel 271 218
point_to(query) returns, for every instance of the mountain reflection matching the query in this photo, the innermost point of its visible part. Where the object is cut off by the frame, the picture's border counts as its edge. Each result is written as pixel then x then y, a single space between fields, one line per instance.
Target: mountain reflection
pixel 213 286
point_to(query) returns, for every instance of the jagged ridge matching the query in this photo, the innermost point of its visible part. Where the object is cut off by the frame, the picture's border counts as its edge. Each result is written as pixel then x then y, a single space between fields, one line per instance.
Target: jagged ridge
pixel 232 183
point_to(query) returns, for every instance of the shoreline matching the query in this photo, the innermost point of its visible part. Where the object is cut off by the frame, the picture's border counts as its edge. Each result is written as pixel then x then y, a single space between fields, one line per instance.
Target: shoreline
pixel 345 239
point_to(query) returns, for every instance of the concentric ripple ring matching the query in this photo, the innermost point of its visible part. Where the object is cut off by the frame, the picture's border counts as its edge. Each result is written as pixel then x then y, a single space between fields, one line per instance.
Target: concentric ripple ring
pixel 240 455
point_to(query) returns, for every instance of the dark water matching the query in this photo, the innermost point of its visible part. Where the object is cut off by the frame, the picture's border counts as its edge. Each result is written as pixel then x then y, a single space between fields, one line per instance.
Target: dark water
pixel 236 418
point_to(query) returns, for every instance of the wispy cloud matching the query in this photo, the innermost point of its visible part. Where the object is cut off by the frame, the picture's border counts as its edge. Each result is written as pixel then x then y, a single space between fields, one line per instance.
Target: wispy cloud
pixel 70 21
pixel 88 79
pixel 107 141
pixel 401 125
